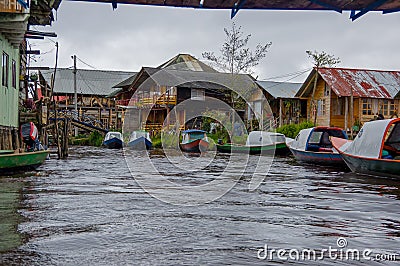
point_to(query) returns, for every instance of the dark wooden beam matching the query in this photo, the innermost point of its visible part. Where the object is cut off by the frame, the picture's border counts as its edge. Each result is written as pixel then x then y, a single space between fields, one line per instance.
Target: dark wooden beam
pixel 38 68
pixel 32 52
pixel 34 37
pixel 41 33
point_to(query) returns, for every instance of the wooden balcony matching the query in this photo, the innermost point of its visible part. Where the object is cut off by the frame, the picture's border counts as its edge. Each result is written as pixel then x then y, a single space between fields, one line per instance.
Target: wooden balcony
pixel 159 100
pixel 10 6
pixel 148 101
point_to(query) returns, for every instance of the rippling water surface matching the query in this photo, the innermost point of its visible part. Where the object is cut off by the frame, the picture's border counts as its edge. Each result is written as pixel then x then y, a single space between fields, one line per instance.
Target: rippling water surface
pixel 89 210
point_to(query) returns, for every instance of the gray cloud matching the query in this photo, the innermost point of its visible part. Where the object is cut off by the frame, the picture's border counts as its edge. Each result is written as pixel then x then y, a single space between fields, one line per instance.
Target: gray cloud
pixel 135 36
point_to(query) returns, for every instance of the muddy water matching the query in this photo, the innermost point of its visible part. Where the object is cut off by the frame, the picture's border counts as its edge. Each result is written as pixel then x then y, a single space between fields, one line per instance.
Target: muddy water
pixel 89 210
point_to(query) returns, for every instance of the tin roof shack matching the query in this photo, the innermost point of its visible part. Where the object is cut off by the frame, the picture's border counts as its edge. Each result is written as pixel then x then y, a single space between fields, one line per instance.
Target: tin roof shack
pixel 92 88
pixel 346 97
pixel 285 106
pixel 183 83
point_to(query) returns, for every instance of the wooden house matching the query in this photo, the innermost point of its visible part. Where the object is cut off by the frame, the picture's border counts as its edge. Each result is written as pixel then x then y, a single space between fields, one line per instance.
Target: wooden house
pixel 15 20
pixel 281 96
pixel 347 98
pixel 93 86
pixel 184 81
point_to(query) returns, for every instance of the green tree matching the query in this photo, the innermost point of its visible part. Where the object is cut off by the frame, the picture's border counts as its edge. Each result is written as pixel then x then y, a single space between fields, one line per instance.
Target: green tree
pixel 235 56
pixel 319 59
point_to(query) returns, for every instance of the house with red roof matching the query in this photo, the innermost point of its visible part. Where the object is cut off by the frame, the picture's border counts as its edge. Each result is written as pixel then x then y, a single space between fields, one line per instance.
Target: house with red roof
pixel 347 97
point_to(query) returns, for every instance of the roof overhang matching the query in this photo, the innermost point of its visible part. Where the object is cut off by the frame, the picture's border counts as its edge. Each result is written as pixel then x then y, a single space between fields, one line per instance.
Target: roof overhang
pixel 357 7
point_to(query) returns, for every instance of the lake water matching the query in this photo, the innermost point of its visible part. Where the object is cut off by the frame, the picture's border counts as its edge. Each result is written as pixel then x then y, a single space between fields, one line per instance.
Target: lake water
pixel 89 210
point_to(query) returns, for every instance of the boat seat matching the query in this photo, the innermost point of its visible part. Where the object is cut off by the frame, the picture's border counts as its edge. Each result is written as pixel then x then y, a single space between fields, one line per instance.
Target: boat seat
pixel 313 147
pixel 325 149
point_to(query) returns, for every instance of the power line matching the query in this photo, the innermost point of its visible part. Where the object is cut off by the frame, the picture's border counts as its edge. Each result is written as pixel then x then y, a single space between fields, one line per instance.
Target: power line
pixel 296 74
pixel 83 62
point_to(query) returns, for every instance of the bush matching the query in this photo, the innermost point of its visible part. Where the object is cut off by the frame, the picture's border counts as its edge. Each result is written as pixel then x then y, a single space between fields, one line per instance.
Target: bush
pixel 292 130
pixel 95 139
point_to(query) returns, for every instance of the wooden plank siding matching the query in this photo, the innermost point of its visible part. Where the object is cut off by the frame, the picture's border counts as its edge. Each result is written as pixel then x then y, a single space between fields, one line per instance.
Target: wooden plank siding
pixel 323 119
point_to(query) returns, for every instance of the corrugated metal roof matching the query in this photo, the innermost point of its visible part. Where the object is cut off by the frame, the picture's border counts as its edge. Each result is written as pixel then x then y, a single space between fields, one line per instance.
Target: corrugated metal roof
pixel 280 89
pixel 126 82
pixel 186 62
pixel 89 82
pixel 363 83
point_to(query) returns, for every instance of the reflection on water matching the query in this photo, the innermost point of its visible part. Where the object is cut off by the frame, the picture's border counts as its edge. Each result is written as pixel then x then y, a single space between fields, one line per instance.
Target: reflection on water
pixel 10 194
pixel 88 210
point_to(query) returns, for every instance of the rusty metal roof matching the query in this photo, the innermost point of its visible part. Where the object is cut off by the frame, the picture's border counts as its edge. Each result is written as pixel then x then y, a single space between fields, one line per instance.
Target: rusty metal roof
pixel 358 7
pixel 363 83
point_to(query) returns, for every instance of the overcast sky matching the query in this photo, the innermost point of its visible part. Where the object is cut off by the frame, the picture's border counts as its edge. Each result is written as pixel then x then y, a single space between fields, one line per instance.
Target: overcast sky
pixel 134 36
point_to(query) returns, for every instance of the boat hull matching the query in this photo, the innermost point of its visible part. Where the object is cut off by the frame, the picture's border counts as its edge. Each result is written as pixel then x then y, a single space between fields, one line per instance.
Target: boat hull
pixel 140 143
pixel 22 161
pixel 327 158
pixel 113 143
pixel 382 167
pixel 196 146
pixel 277 149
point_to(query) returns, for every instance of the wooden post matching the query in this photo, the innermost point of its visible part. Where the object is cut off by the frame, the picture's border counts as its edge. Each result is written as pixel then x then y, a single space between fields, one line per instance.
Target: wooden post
pixel 109 117
pixel 351 112
pixel 280 111
pixel 15 139
pixel 346 111
pixel 9 136
pixel 312 104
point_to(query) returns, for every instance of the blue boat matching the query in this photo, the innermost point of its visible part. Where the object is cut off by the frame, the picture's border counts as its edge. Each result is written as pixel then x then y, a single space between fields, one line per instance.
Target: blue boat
pixel 140 140
pixel 313 145
pixel 113 140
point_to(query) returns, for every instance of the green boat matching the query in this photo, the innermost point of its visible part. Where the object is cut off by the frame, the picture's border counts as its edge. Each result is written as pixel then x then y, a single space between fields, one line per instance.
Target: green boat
pixel 11 161
pixel 278 148
pixel 258 142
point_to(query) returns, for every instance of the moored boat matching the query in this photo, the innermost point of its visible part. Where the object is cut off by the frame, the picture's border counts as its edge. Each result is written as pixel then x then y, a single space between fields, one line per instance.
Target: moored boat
pixel 16 161
pixel 258 142
pixel 140 139
pixel 113 140
pixel 375 150
pixel 194 140
pixel 313 145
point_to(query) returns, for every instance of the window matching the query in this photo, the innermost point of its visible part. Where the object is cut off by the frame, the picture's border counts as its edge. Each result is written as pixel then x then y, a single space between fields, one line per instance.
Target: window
pixel 367 107
pixel 14 74
pixel 198 94
pixel 327 90
pixel 338 106
pixel 4 70
pixel 387 108
pixel 321 107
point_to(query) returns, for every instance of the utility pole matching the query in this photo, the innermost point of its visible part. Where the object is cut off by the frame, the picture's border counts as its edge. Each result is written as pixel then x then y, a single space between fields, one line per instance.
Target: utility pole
pixel 75 95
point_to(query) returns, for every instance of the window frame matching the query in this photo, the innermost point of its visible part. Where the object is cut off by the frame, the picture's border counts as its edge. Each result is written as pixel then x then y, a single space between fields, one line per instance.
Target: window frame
pixel 5 69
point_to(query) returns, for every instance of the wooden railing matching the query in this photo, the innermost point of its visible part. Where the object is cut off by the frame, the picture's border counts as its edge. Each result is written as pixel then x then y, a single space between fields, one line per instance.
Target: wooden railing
pixel 10 6
pixel 155 100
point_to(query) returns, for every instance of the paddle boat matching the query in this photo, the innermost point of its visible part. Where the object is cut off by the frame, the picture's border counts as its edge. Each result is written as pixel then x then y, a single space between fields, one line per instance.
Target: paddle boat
pixel 312 145
pixel 375 150
pixel 113 140
pixel 140 139
pixel 194 140
pixel 258 142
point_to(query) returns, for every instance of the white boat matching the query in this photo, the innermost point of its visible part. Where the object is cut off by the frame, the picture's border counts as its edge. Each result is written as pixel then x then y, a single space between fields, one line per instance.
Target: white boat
pixel 140 139
pixel 375 150
pixel 312 145
pixel 113 140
